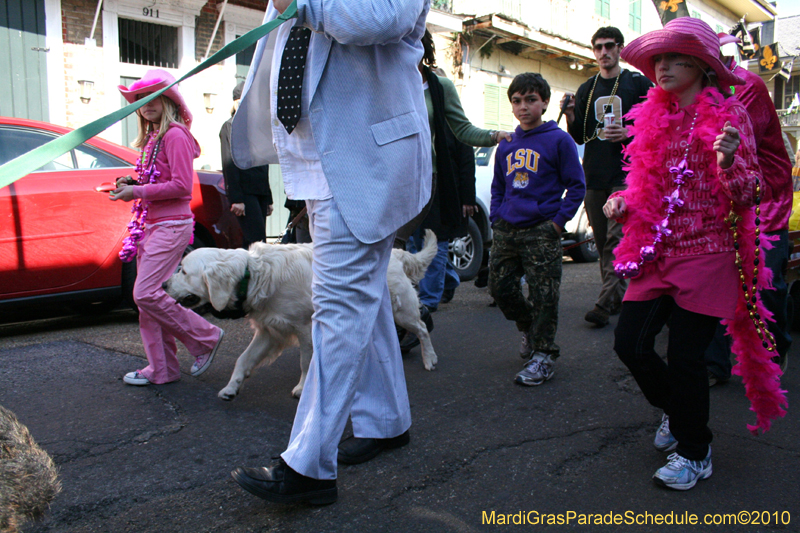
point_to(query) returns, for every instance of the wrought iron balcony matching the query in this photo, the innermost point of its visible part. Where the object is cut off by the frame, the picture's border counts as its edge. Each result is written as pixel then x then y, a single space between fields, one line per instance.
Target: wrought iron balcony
pixel 789 117
pixel 442 5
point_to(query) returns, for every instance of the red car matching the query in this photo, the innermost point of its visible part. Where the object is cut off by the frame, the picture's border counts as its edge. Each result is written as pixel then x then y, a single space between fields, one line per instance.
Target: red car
pixel 60 234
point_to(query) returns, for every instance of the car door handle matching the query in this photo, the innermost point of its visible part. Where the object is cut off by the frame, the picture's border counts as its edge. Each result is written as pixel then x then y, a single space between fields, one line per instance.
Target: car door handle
pixel 106 187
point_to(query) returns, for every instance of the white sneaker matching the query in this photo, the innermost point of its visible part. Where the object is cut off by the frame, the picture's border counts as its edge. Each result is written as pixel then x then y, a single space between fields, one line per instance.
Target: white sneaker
pixel 681 473
pixel 537 370
pixel 135 378
pixel 202 362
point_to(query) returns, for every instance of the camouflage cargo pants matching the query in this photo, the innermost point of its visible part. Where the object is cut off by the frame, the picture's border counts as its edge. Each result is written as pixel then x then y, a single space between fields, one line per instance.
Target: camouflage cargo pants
pixel 535 253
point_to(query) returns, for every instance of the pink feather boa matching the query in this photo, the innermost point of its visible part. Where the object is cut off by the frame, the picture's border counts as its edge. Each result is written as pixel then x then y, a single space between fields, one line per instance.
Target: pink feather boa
pixel 647 179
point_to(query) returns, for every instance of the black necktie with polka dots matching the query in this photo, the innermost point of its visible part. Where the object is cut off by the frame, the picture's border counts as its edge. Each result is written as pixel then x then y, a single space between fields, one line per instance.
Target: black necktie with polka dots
pixel 290 78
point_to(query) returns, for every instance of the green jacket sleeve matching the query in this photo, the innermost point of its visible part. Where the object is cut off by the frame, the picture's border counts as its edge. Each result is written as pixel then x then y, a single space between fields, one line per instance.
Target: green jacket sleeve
pixel 458 121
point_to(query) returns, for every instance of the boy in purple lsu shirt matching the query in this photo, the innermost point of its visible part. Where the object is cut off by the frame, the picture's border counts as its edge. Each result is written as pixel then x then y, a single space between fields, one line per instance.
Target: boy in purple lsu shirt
pixel 528 213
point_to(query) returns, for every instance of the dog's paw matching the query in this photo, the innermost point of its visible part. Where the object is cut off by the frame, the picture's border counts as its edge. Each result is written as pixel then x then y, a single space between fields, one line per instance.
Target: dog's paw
pixel 431 364
pixel 228 393
pixel 297 391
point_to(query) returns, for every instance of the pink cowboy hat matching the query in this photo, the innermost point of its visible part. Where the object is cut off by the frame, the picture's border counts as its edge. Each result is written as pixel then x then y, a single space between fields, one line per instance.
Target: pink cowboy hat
pixel 683 35
pixel 152 81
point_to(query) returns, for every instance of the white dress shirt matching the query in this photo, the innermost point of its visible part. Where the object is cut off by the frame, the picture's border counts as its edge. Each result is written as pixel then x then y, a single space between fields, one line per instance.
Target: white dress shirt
pixel 301 167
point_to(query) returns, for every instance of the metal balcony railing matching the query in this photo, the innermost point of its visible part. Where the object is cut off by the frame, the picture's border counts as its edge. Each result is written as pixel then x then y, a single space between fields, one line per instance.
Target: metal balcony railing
pixel 789 117
pixel 442 5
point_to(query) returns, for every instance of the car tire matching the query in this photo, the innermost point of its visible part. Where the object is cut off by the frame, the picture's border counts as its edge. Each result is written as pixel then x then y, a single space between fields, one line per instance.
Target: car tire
pixel 129 273
pixel 468 263
pixel 586 252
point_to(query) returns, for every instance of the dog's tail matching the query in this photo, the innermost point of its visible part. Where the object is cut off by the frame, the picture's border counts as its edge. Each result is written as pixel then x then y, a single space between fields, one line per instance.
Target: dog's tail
pixel 415 265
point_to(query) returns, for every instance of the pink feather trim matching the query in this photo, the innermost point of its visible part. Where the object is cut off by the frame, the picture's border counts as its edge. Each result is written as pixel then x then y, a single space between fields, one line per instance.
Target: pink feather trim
pixel 647 177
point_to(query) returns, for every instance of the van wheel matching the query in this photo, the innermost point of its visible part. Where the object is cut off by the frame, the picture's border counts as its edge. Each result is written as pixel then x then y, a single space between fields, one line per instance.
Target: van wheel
pixel 466 253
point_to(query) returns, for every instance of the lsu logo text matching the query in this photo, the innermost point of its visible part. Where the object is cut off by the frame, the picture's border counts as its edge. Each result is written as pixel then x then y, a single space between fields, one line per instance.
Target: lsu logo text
pixel 522 158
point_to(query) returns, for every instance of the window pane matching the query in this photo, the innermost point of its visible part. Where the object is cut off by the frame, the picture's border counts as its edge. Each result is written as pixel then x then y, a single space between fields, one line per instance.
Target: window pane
pixel 482 155
pixel 89 157
pixel 144 43
pixel 16 141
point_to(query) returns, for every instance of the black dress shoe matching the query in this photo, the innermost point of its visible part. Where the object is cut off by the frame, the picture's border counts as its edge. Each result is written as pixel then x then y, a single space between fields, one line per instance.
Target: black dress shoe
pixel 279 483
pixel 353 450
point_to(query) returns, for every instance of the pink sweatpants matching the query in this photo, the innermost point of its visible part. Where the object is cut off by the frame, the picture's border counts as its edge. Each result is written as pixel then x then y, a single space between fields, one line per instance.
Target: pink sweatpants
pixel 161 318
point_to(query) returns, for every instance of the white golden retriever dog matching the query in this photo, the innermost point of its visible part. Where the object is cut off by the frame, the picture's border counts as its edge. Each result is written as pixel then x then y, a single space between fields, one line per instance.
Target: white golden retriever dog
pixel 278 298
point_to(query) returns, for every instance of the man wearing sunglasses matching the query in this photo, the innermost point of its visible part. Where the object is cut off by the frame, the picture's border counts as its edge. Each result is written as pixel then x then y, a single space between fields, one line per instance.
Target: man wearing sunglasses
pixel 613 90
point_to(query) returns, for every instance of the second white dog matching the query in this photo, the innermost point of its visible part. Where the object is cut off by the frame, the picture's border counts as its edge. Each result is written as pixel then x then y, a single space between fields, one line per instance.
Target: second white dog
pixel 277 299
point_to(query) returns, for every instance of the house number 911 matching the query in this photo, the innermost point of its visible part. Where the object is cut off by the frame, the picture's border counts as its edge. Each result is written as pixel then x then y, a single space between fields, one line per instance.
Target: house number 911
pixel 150 12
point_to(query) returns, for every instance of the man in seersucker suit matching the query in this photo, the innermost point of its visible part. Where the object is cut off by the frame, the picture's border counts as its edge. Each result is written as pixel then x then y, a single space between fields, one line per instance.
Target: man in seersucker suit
pixel 356 148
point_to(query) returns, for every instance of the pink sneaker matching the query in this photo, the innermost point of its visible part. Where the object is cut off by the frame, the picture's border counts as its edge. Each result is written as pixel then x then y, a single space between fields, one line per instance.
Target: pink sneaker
pixel 202 362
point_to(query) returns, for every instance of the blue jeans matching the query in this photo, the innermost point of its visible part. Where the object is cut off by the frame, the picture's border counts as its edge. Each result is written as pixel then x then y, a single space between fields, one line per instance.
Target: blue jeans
pixel 441 274
pixel 718 354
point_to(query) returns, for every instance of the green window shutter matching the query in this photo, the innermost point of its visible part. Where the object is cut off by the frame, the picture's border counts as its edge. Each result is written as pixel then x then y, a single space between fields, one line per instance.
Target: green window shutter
pixel 635 15
pixel 491 107
pixel 506 115
pixel 497 113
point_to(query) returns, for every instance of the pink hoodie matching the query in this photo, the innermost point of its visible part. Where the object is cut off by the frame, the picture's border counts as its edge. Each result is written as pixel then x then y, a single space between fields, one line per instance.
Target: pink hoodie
pixel 169 198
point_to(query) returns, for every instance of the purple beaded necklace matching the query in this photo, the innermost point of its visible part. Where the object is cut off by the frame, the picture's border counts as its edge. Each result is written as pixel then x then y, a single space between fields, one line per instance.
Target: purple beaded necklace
pixel 648 253
pixel 148 173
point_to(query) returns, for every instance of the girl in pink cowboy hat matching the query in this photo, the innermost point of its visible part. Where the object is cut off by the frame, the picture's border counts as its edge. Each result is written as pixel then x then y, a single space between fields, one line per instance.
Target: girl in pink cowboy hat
pixel 691 242
pixel 160 230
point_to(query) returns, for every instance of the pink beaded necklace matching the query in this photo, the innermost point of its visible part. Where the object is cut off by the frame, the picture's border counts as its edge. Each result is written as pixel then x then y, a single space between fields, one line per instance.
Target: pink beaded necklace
pixel 631 269
pixel 148 173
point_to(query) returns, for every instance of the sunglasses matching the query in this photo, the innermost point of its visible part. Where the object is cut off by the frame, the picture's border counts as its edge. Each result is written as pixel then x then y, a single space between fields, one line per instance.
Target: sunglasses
pixel 608 46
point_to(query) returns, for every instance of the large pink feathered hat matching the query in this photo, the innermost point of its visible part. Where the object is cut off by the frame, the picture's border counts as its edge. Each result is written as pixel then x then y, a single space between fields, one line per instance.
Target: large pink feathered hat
pixel 684 35
pixel 152 81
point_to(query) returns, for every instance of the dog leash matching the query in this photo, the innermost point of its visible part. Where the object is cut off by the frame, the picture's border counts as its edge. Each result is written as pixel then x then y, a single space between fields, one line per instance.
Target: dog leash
pixel 590 239
pixel 291 225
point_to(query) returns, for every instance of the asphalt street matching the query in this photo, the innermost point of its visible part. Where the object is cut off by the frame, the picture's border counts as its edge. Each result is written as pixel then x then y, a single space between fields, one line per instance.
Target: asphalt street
pixel 158 458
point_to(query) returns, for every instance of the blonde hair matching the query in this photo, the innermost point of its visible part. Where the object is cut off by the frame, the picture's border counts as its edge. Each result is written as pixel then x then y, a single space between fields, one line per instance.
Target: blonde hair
pixel 168 116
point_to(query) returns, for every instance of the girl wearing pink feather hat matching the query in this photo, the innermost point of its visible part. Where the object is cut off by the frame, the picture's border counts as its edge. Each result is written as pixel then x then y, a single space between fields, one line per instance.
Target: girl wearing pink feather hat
pixel 161 228
pixel 691 243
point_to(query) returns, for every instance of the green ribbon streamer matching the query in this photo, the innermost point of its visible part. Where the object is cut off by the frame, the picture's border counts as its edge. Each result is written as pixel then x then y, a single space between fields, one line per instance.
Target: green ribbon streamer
pixel 36 158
